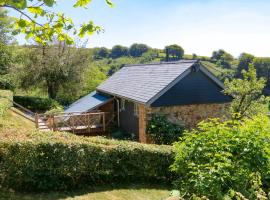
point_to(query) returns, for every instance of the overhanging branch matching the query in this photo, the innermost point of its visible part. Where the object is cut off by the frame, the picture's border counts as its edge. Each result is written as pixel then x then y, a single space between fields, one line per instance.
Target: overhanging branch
pixel 23 13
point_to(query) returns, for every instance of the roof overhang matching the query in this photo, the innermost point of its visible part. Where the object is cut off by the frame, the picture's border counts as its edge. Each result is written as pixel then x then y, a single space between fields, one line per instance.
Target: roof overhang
pixel 122 97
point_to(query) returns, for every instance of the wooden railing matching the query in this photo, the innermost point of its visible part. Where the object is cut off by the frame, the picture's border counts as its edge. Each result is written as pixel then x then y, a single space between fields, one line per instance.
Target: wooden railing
pixel 97 121
pixel 75 121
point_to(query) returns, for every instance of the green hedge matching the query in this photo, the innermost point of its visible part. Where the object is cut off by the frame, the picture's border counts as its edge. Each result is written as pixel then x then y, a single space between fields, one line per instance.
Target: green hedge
pixel 53 164
pixel 220 159
pixel 162 131
pixel 4 102
pixel 36 103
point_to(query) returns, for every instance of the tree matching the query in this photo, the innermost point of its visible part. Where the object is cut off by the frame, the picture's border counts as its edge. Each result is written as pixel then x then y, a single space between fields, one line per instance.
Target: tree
pixel 247 94
pixel 5 58
pixel 245 60
pixel 262 66
pixel 5 52
pixel 194 56
pixel 136 50
pixel 53 67
pixel 39 22
pixel 175 51
pixel 101 52
pixel 119 51
pixel 5 27
pixel 222 58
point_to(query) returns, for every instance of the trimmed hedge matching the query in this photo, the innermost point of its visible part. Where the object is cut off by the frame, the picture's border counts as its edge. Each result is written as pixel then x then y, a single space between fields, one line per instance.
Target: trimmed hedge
pixel 36 103
pixel 4 102
pixel 45 163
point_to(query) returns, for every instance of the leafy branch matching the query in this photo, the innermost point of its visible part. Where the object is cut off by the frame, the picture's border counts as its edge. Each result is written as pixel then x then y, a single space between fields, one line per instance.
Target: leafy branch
pixel 56 25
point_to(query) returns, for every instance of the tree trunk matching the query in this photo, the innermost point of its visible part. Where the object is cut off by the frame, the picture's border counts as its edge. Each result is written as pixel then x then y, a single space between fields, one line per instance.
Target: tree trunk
pixel 52 91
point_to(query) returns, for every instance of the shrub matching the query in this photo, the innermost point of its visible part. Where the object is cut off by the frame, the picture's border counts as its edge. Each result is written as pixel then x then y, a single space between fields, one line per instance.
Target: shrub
pixel 59 161
pixel 6 82
pixel 161 131
pixel 223 156
pixel 54 111
pixel 5 95
pixel 36 103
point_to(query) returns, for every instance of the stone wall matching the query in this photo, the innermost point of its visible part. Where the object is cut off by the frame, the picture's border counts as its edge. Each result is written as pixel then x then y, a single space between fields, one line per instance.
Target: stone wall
pixel 190 115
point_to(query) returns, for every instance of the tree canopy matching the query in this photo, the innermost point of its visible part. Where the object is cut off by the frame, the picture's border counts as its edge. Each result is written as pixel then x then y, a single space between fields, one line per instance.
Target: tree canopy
pixel 38 20
pixel 119 51
pixel 52 67
pixel 101 52
pixel 136 50
pixel 245 60
pixel 248 99
pixel 222 58
pixel 5 27
pixel 175 51
pixel 262 65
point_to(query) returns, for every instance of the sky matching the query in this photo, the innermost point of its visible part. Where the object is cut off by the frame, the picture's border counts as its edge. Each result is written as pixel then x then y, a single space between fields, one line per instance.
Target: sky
pixel 199 26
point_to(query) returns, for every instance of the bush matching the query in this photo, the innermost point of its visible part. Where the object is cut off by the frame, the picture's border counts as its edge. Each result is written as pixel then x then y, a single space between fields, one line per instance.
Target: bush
pixel 6 82
pixel 55 111
pixel 4 102
pixel 220 157
pixel 36 103
pixel 60 161
pixel 161 131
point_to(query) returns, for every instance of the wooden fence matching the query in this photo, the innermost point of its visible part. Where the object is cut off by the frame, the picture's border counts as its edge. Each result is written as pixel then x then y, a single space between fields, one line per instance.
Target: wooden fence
pixel 75 122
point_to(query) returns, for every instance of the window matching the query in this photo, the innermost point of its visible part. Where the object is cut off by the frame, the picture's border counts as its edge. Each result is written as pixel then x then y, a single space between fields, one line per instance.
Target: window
pixel 122 105
pixel 136 109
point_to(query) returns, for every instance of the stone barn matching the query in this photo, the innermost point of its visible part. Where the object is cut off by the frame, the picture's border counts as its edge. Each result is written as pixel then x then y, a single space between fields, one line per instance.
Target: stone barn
pixel 185 92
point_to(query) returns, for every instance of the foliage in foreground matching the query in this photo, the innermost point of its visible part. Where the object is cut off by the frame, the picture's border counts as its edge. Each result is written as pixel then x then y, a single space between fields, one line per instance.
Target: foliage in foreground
pixel 222 157
pixel 59 161
pixel 247 93
pixel 162 131
pixel 39 22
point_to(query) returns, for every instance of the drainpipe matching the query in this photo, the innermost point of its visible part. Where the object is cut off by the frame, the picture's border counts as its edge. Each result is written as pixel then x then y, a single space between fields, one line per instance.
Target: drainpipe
pixel 118 112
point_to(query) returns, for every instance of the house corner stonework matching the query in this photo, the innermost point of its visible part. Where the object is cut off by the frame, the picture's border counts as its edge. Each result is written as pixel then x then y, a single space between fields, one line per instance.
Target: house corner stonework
pixel 190 115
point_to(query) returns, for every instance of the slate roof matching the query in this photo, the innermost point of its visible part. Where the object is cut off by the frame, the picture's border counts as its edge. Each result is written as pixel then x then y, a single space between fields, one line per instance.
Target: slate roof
pixel 87 102
pixel 142 82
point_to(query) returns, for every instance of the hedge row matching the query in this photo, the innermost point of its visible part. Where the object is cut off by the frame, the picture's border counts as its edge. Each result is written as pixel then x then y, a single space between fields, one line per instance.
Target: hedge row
pixel 50 164
pixel 4 102
pixel 36 104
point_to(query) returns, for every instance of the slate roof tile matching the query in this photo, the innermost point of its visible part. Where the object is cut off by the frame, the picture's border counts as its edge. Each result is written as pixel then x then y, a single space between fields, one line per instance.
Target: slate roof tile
pixel 142 82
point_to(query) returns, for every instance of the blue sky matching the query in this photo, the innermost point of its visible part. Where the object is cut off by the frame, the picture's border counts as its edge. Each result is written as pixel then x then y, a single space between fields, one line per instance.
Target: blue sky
pixel 199 26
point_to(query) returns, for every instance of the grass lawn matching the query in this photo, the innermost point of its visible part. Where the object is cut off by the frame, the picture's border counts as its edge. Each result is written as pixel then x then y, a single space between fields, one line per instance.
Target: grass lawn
pixel 133 192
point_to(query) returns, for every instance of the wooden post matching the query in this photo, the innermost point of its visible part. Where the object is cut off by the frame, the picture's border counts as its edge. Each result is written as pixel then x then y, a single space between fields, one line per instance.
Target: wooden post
pixel 53 124
pixel 104 123
pixel 72 123
pixel 88 123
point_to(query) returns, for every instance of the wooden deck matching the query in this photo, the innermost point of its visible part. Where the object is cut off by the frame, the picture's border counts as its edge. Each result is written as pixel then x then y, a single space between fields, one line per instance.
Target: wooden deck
pixel 78 123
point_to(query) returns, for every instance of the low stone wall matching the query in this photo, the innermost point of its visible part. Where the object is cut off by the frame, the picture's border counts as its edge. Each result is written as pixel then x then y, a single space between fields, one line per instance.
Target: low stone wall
pixel 190 115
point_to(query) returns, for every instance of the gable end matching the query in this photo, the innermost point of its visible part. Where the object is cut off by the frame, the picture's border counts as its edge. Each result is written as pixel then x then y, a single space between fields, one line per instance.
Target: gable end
pixel 197 87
